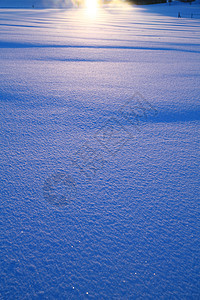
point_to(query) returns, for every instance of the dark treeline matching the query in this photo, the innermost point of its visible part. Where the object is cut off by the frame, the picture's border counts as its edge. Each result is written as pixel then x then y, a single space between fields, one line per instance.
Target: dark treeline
pixel 145 2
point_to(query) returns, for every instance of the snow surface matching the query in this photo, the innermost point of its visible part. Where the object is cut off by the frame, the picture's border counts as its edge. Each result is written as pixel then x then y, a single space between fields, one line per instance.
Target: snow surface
pixel 130 227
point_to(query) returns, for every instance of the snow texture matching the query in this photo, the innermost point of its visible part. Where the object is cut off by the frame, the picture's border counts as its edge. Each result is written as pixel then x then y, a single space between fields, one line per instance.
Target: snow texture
pixel 100 153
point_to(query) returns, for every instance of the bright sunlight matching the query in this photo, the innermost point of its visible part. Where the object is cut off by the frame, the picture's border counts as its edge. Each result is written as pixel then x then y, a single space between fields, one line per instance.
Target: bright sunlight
pixel 92 6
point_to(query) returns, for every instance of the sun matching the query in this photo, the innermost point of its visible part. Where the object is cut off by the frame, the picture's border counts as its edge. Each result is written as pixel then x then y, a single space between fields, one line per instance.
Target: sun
pixel 91 6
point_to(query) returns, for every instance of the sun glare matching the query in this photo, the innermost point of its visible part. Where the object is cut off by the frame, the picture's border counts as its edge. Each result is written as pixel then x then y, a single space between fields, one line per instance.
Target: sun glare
pixel 91 7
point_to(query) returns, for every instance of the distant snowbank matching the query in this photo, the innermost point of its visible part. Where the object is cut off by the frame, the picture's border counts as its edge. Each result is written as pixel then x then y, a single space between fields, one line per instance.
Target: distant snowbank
pixel 175 9
pixel 35 3
pixel 157 8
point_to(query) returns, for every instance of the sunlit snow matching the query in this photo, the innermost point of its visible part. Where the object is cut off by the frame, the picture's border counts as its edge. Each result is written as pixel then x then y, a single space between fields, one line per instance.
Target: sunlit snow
pixel 111 99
